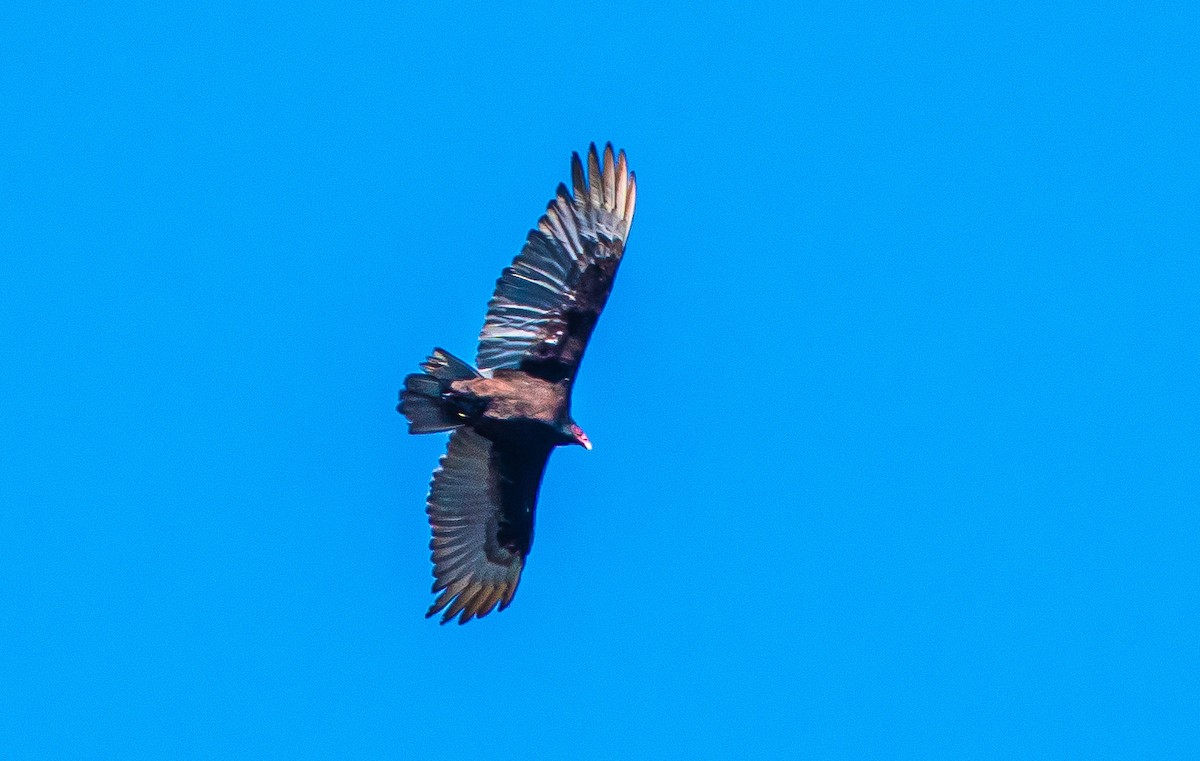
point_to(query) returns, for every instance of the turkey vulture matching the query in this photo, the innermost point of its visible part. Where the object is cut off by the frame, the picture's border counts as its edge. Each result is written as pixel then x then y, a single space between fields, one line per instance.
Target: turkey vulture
pixel 510 413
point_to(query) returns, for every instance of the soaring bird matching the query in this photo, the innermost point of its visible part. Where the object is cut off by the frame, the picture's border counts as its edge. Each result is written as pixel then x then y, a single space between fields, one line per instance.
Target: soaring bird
pixel 508 415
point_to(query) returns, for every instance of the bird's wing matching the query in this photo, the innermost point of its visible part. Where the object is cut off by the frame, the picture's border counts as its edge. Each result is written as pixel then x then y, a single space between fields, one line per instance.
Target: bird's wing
pixel 546 304
pixel 480 507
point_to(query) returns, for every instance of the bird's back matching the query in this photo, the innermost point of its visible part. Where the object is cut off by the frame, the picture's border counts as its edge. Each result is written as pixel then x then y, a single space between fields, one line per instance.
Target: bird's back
pixel 515 396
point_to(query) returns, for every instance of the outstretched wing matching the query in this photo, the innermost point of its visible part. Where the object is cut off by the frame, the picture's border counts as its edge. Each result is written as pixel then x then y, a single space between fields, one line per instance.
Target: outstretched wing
pixel 480 507
pixel 546 304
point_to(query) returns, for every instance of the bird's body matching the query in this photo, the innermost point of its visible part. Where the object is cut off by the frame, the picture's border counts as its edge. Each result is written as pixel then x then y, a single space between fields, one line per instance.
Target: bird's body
pixel 512 395
pixel 510 414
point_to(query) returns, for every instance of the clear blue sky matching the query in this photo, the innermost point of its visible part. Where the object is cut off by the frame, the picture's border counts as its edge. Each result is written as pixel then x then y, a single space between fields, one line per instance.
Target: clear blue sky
pixel 894 403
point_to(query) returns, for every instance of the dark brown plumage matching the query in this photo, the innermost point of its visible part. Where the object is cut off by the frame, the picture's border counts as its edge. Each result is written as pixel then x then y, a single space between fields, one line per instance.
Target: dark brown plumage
pixel 509 415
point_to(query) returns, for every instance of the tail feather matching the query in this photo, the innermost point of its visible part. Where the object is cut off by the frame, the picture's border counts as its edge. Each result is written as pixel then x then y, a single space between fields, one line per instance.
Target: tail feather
pixel 419 383
pixel 427 414
pixel 446 367
pixel 423 400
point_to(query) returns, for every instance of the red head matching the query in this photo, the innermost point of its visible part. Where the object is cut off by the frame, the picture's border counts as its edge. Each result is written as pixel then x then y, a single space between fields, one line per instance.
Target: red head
pixel 580 437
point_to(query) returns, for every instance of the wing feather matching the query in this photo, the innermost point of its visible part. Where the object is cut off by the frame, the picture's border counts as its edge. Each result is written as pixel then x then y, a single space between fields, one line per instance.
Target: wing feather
pixel 481 505
pixel 595 195
pixel 547 302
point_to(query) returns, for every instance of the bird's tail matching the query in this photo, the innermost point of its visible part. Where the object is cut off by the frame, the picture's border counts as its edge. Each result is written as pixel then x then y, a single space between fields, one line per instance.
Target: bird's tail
pixel 423 399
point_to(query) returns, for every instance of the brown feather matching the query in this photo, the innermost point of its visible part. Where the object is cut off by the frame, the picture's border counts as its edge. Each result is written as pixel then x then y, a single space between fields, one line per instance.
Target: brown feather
pixel 577 183
pixel 610 179
pixel 594 183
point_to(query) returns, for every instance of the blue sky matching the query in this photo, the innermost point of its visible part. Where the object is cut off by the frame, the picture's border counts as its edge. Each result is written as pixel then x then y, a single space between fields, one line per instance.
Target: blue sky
pixel 894 403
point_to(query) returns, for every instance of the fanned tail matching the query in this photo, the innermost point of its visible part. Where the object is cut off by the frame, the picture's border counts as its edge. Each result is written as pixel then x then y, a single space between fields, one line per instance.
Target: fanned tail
pixel 423 399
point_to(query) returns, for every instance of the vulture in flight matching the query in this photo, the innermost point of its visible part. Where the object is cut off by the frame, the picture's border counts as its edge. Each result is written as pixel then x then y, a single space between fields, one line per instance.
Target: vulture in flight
pixel 507 414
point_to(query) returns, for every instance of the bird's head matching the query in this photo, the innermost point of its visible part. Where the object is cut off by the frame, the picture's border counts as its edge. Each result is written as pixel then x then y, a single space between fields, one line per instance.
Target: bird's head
pixel 577 436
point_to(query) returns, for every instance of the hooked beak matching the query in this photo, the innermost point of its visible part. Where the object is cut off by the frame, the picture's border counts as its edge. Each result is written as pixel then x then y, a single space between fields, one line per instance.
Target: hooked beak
pixel 581 438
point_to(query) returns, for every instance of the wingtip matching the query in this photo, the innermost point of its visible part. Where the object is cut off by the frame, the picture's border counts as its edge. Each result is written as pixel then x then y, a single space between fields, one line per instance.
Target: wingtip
pixel 577 182
pixel 602 178
pixel 631 199
pixel 609 179
pixel 595 183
